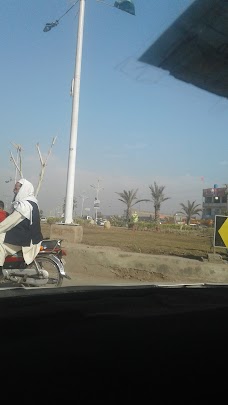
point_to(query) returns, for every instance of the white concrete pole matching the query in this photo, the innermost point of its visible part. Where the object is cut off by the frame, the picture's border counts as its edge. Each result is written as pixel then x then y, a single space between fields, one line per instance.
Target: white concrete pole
pixel 74 119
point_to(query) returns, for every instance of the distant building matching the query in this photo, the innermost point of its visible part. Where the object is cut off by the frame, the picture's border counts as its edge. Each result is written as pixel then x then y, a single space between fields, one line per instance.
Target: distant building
pixel 145 215
pixel 179 218
pixel 149 216
pixel 214 202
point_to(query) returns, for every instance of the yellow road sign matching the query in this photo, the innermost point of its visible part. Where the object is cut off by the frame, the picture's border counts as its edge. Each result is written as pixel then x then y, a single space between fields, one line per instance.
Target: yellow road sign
pixel 221 231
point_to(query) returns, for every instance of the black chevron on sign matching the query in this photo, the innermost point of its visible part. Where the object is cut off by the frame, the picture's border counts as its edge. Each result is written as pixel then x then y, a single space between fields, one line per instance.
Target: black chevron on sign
pixel 219 221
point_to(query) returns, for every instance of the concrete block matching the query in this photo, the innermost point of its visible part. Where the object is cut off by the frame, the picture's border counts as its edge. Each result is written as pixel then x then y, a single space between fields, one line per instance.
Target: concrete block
pixel 214 257
pixel 68 233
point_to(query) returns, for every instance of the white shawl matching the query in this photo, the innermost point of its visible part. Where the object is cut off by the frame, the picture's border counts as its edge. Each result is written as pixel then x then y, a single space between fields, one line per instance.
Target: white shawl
pixel 25 194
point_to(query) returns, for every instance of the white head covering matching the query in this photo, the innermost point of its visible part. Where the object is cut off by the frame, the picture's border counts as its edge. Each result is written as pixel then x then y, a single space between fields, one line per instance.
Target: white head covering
pixel 24 195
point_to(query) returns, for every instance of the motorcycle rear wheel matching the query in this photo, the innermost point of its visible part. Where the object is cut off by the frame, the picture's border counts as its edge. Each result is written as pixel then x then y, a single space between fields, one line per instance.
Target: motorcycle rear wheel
pixel 55 278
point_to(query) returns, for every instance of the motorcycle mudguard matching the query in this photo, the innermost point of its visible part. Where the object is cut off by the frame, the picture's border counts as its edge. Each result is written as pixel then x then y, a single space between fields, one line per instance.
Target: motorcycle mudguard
pixel 57 262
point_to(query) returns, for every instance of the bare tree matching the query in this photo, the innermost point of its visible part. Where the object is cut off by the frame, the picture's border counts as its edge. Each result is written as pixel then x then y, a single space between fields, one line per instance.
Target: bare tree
pixel 18 163
pixel 43 165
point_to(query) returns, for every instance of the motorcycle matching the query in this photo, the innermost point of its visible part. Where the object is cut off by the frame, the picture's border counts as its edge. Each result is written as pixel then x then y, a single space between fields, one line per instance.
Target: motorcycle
pixel 46 270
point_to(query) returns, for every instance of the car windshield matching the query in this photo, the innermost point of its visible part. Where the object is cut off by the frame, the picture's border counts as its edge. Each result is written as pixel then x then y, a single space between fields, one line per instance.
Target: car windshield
pixel 116 112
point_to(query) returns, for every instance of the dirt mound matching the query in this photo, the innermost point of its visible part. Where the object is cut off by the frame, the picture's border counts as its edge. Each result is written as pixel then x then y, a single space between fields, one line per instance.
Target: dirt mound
pixel 118 256
pixel 96 265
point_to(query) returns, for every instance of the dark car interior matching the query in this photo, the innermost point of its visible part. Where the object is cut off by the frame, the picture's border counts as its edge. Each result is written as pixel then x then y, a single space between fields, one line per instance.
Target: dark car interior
pixel 105 344
pixel 123 339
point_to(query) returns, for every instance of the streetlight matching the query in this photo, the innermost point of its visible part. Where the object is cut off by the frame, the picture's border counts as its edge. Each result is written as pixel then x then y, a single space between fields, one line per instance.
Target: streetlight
pixel 97 188
pixel 97 202
pixel 124 5
pixel 83 197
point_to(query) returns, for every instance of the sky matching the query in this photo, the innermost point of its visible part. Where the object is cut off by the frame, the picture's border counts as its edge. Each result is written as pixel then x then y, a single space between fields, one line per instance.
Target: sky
pixel 136 123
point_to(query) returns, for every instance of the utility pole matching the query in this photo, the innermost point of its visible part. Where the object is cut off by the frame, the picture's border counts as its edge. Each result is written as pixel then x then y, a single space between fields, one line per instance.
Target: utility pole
pixel 83 197
pixel 98 188
pixel 74 118
pixel 124 5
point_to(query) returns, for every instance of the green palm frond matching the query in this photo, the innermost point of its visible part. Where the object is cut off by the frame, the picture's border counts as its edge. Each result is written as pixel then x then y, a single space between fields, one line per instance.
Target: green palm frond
pixel 190 209
pixel 158 197
pixel 130 199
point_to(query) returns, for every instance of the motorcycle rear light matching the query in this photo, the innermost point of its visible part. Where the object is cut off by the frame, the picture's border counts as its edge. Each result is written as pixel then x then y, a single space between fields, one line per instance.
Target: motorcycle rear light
pixel 10 259
pixel 63 252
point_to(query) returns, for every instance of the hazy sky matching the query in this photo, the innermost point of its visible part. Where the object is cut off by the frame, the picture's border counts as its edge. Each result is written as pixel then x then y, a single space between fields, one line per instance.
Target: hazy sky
pixel 137 124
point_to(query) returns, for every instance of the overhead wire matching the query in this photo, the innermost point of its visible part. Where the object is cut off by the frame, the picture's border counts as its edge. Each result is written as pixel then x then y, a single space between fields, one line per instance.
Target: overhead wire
pixel 49 26
pixel 68 9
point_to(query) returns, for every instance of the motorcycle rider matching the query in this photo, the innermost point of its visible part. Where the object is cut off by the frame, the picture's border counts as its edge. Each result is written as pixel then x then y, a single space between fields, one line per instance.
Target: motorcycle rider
pixel 21 230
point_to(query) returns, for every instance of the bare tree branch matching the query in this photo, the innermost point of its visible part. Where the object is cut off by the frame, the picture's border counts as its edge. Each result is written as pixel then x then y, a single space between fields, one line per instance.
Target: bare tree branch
pixel 19 160
pixel 43 165
pixel 16 165
pixel 39 153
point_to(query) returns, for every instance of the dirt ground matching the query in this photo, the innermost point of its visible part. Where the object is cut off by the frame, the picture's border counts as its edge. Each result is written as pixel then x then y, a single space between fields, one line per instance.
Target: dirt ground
pixel 119 256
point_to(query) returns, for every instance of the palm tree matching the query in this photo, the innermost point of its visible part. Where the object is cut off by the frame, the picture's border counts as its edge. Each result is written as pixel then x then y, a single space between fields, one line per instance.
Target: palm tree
pixel 158 198
pixel 190 210
pixel 128 198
